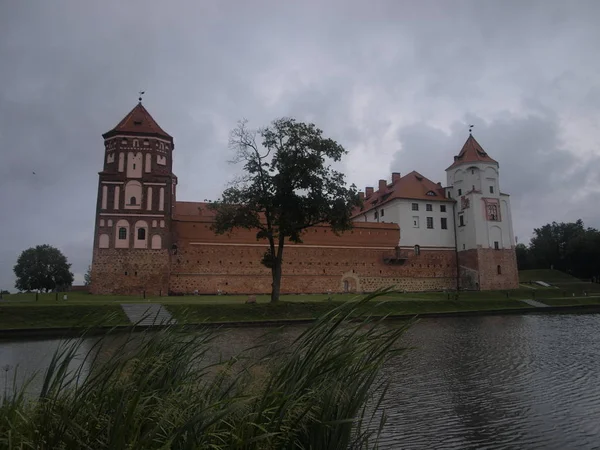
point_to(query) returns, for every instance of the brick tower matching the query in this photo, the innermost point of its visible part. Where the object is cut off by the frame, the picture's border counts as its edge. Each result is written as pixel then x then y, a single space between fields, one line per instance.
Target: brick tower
pixel 483 221
pixel 136 194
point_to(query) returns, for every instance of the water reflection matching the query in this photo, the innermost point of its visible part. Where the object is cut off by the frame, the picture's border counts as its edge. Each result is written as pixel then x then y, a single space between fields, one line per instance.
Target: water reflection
pixel 496 382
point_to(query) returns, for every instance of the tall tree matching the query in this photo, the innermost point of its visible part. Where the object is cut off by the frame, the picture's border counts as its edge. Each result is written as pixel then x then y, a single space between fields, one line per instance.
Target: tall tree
pixel 549 243
pixel 288 185
pixel 42 268
pixel 523 257
pixel 87 277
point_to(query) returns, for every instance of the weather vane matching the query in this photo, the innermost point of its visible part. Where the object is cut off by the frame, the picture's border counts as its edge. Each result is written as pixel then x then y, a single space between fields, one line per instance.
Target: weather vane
pixel 470 127
pixel 140 97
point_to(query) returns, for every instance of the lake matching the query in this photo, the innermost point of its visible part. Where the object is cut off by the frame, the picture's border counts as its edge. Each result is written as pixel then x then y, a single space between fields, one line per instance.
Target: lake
pixel 490 382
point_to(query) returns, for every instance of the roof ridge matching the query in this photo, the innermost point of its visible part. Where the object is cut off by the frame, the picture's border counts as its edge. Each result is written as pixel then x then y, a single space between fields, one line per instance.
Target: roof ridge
pixel 138 120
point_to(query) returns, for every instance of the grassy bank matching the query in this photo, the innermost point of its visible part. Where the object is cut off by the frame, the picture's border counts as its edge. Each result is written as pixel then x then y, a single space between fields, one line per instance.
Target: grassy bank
pixel 81 315
pixel 23 311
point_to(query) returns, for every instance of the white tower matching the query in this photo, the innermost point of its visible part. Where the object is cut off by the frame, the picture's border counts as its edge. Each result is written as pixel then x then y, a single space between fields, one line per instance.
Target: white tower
pixel 484 232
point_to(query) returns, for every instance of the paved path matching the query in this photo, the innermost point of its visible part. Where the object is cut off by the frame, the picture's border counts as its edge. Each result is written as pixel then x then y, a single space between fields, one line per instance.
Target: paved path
pixel 535 303
pixel 147 314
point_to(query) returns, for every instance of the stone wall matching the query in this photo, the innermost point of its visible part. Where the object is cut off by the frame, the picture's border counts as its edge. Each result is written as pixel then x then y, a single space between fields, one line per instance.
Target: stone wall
pixel 489 261
pixel 210 268
pixel 479 269
pixel 130 272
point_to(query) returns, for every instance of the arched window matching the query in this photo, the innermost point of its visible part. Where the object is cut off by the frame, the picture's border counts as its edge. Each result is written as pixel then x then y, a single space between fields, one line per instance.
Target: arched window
pixel 141 234
pixel 122 233
pixel 417 250
pixel 499 270
pixel 133 195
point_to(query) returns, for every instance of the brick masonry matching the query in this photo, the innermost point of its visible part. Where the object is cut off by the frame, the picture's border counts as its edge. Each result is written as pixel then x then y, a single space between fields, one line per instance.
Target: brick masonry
pixel 488 269
pixel 324 262
pixel 130 272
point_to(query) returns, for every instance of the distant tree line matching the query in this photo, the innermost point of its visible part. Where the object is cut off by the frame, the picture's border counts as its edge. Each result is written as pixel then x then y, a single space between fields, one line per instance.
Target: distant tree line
pixel 568 247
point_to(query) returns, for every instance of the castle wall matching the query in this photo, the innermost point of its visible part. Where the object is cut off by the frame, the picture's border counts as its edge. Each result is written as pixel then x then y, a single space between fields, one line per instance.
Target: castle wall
pixel 353 262
pixel 130 272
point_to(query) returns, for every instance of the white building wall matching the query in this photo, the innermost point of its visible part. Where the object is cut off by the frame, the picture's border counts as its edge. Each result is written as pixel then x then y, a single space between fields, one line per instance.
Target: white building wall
pixel 400 211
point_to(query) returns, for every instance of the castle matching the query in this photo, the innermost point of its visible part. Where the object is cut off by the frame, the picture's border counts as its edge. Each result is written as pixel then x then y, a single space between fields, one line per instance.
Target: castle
pixel 411 232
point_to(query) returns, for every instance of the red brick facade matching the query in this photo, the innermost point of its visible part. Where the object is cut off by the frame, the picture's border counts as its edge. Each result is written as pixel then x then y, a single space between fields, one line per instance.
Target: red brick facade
pixel 488 269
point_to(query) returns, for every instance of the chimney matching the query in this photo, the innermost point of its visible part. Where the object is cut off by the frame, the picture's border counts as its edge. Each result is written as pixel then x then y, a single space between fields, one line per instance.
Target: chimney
pixel 368 191
pixel 439 184
pixel 395 176
pixel 382 185
pixel 361 196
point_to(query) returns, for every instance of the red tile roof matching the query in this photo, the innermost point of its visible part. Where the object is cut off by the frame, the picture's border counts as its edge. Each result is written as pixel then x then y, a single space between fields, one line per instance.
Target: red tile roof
pixel 138 121
pixel 471 152
pixel 411 186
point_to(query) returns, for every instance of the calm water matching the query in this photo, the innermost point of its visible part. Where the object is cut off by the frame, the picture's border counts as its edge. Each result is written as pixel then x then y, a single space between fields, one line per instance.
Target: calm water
pixel 498 382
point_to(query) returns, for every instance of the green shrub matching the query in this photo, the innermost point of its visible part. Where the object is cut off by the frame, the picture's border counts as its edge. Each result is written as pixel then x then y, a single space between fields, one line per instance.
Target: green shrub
pixel 159 390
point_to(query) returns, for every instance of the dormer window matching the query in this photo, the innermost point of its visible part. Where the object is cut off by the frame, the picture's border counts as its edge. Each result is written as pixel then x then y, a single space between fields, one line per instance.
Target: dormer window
pixel 431 194
pixel 137 122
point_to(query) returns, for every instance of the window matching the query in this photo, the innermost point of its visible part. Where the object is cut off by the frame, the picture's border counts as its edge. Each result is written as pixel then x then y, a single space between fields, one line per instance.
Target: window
pixel 133 166
pixel 496 245
pixel 141 234
pixel 430 222
pixel 431 193
pixel 444 223
pixel 415 206
pixel 376 215
pixel 460 192
pixel 442 208
pixel 415 222
pixel 472 171
pixel 122 233
pixel 492 210
pixel 132 201
pixel 461 220
pixel 417 250
pixel 491 189
pixel 382 212
pixel 499 269
pixel 429 207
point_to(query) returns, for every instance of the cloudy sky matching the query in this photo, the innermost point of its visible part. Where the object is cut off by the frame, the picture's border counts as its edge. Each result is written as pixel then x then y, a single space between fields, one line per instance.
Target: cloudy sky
pixel 396 82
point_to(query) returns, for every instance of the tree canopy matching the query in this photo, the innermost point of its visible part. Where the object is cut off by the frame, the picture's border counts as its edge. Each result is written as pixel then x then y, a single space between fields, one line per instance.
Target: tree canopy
pixel 568 247
pixel 42 268
pixel 288 185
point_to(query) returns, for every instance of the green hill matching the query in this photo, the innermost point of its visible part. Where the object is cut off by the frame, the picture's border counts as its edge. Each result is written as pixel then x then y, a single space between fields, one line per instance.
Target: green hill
pixel 548 275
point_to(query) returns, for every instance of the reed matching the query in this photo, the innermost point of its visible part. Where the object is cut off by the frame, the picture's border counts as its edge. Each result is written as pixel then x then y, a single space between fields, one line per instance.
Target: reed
pixel 161 390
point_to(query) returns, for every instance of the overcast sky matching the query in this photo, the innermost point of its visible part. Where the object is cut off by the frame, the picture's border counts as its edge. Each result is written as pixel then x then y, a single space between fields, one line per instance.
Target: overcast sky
pixel 395 82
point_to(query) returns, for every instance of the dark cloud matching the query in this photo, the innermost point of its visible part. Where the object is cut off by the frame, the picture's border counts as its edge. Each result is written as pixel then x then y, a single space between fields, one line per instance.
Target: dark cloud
pixel 394 82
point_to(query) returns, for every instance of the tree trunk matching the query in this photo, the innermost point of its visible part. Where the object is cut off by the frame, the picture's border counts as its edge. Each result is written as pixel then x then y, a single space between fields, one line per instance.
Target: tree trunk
pixel 276 285
pixel 276 271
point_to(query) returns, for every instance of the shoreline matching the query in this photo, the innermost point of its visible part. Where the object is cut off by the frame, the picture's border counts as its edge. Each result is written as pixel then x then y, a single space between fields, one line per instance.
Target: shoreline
pixel 70 332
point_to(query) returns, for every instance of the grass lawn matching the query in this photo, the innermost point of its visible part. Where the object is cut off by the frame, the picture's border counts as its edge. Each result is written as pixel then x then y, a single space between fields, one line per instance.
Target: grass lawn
pixel 197 313
pixel 60 316
pixel 82 309
pixel 548 275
